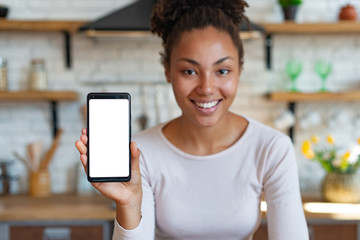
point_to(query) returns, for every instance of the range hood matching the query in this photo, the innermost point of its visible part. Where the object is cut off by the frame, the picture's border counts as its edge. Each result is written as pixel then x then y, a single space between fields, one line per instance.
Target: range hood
pixel 134 20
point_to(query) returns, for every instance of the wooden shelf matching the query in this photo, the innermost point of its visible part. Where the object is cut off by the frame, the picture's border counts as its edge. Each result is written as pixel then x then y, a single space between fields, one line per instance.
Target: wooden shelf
pixel 39 96
pixel 65 27
pixel 312 28
pixel 314 97
pixel 50 96
pixel 40 25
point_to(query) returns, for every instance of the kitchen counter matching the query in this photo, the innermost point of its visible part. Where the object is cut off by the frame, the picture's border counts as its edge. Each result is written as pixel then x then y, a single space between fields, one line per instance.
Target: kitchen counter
pixel 97 207
pixel 56 207
pixel 91 217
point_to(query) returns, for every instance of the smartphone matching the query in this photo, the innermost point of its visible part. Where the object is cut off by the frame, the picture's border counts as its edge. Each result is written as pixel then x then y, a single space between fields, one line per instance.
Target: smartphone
pixel 109 137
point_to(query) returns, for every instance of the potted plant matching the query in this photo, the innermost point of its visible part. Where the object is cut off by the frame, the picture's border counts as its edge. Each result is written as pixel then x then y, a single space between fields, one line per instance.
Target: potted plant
pixel 289 8
pixel 341 183
pixel 3 11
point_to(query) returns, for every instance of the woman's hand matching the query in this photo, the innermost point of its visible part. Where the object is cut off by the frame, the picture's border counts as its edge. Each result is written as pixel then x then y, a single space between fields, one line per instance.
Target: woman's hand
pixel 127 195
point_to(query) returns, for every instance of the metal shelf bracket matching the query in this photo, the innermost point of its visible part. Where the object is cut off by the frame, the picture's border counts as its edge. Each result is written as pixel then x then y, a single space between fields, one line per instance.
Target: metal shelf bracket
pixel 67 49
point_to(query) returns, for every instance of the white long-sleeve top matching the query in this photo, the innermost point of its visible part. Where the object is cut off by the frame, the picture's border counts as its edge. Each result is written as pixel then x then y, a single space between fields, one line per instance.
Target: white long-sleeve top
pixel 218 196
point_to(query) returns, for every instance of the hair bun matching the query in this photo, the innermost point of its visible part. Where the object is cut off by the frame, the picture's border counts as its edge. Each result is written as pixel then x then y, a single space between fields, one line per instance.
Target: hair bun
pixel 167 12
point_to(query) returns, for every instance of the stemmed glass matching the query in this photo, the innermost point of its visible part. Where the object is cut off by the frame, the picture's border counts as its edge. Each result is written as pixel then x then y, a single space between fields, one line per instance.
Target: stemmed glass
pixel 323 69
pixel 293 70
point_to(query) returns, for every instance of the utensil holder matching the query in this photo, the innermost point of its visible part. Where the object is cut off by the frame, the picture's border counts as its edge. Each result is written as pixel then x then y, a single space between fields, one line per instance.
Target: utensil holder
pixel 40 184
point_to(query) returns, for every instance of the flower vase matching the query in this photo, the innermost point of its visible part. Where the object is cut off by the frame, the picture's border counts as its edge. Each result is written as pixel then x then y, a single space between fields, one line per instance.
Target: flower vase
pixel 341 188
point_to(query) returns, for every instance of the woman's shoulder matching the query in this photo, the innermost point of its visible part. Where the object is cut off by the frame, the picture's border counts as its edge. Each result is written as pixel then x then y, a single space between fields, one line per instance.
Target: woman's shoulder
pixel 149 136
pixel 264 133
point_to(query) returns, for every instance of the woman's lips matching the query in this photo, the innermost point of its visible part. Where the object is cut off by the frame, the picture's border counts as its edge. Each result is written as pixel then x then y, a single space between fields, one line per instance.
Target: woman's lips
pixel 206 107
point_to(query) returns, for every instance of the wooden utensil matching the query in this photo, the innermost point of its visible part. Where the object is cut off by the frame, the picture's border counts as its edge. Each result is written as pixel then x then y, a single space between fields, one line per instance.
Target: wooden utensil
pixel 34 153
pixel 49 154
pixel 23 160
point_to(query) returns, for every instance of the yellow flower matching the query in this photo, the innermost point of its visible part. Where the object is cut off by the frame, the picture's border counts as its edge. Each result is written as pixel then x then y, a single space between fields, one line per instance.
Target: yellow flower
pixel 307 150
pixel 306 145
pixel 309 154
pixel 359 140
pixel 346 155
pixel 330 139
pixel 314 139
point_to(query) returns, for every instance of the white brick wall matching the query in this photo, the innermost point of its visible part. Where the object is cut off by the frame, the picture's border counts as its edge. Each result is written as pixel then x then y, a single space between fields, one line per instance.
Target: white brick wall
pixel 121 64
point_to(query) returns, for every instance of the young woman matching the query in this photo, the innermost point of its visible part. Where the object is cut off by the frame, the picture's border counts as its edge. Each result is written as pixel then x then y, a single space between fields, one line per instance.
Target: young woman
pixel 202 175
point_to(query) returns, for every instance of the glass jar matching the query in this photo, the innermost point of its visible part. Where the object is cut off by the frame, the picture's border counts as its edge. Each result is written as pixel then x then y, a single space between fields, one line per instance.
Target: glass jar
pixel 3 75
pixel 38 76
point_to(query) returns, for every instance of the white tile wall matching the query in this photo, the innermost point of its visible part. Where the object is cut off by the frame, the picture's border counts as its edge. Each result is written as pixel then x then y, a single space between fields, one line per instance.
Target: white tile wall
pixel 121 64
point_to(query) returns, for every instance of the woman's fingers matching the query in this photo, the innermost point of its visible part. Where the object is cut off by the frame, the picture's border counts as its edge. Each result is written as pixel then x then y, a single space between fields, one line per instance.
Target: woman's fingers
pixel 83 159
pixel 135 155
pixel 84 139
pixel 84 131
pixel 81 147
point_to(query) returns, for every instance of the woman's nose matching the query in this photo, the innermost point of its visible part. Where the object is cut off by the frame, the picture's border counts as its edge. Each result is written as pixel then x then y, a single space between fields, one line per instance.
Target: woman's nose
pixel 206 85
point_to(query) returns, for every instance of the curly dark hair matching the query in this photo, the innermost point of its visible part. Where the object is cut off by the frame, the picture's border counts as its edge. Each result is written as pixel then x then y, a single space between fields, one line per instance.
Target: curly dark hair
pixel 170 18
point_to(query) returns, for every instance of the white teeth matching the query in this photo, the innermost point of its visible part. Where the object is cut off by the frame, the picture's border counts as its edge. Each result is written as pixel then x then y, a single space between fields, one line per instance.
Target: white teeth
pixel 207 105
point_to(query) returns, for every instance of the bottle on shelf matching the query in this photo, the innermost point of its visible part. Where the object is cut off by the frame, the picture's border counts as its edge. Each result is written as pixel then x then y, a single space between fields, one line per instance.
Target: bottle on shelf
pixel 3 75
pixel 38 75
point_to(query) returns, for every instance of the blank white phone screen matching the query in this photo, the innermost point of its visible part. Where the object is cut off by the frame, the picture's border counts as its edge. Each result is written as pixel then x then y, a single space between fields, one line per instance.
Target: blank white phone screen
pixel 109 137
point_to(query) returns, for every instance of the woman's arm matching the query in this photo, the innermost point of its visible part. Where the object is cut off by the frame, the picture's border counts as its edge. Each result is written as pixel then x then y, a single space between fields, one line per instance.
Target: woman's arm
pixel 285 215
pixel 126 195
pixel 146 228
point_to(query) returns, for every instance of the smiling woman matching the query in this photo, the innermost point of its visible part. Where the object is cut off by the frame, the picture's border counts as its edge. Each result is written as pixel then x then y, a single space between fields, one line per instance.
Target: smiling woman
pixel 203 174
pixel 204 76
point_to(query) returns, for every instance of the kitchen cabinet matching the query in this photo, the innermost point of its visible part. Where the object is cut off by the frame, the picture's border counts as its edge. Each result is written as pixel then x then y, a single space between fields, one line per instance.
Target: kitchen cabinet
pixel 49 96
pixel 321 231
pixel 346 231
pixel 65 27
pixel 66 230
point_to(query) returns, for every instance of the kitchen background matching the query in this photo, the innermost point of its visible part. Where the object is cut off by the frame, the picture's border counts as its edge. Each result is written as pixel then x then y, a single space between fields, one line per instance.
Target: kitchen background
pixel 132 64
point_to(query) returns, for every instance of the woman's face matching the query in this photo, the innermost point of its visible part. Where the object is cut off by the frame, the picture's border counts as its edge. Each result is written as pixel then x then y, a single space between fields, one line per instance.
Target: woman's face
pixel 204 72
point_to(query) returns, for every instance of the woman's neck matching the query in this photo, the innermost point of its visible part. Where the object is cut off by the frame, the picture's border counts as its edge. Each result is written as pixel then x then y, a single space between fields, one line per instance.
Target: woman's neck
pixel 202 141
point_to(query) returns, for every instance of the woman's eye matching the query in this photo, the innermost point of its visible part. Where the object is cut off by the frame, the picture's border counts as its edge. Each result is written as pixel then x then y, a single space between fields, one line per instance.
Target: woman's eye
pixel 223 71
pixel 189 72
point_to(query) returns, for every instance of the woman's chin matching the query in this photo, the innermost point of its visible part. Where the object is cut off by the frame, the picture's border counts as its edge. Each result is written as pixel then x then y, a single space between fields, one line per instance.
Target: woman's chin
pixel 206 122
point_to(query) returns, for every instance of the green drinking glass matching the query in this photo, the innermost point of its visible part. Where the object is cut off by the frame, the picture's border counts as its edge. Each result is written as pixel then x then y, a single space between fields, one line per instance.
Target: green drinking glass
pixel 293 70
pixel 323 69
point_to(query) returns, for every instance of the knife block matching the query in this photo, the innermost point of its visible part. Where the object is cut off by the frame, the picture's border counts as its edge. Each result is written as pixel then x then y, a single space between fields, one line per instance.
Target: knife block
pixel 40 183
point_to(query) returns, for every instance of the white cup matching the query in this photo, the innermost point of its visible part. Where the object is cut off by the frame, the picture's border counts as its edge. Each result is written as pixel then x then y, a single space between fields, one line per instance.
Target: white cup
pixel 311 119
pixel 285 120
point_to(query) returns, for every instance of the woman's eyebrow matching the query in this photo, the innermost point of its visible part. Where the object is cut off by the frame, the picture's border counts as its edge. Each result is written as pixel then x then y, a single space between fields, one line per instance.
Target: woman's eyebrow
pixel 221 60
pixel 198 64
pixel 189 61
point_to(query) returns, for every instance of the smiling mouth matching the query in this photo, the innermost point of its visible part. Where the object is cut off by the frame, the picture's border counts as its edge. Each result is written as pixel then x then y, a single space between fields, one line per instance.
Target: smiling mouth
pixel 207 105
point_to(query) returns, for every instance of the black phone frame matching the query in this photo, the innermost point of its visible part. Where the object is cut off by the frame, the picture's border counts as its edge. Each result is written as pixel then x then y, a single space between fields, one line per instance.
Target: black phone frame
pixel 107 95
